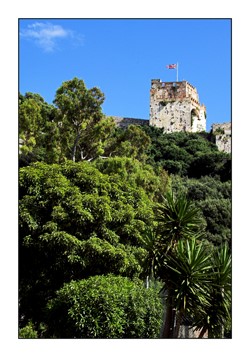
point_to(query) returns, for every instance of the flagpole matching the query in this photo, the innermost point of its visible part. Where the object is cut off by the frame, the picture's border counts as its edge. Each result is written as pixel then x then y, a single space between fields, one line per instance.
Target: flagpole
pixel 177 72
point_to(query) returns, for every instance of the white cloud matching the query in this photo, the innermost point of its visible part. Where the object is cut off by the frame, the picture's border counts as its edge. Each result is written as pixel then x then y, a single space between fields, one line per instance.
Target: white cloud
pixel 46 35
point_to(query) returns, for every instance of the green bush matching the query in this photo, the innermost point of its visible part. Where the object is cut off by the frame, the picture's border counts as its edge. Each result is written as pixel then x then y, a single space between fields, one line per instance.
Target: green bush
pixel 105 307
pixel 28 331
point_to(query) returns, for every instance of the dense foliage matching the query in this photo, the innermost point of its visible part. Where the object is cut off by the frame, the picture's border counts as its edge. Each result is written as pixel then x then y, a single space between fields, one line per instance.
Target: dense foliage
pixel 76 222
pixel 187 154
pixel 105 307
pixel 104 212
pixel 213 197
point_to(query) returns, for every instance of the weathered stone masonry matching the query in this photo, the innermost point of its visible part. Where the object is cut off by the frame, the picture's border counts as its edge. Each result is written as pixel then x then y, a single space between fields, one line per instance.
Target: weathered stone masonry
pixel 125 122
pixel 222 134
pixel 175 106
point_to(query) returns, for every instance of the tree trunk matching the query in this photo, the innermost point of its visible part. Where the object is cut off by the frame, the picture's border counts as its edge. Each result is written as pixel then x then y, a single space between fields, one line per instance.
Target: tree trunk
pixel 222 331
pixel 75 146
pixel 203 331
pixel 178 324
pixel 168 323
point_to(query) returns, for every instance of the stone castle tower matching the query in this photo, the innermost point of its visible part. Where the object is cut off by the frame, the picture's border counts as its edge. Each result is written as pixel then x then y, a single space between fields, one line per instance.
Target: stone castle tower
pixel 175 106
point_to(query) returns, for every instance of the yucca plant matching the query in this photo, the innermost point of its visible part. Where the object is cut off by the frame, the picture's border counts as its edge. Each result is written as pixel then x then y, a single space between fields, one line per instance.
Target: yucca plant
pixel 188 277
pixel 218 312
pixel 177 218
pixel 196 280
pixel 152 261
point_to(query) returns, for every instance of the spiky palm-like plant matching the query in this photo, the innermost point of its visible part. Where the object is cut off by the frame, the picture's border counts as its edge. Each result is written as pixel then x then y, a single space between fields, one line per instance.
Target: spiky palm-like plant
pixel 197 282
pixel 188 273
pixel 177 218
pixel 152 261
pixel 200 286
pixel 218 312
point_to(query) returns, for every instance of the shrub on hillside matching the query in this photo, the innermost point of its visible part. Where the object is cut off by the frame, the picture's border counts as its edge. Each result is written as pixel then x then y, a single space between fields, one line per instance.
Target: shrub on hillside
pixel 105 307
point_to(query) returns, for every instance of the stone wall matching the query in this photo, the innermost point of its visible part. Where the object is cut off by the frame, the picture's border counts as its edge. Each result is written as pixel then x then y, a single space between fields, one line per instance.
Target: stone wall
pixel 125 122
pixel 190 332
pixel 223 134
pixel 223 126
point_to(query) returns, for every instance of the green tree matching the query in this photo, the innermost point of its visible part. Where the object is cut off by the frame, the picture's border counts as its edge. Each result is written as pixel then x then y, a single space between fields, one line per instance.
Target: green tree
pixel 83 127
pixel 134 173
pixel 30 120
pixel 187 154
pixel 131 142
pixel 105 307
pixel 213 198
pixel 211 163
pixel 38 130
pixel 217 214
pixel 77 221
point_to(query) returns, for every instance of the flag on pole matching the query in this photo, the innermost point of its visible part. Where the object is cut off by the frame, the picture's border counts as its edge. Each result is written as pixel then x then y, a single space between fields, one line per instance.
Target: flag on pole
pixel 171 66
pixel 174 66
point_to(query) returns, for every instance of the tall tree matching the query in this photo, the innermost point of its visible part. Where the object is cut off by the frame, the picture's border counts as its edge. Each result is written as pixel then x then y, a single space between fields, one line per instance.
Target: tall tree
pixel 81 119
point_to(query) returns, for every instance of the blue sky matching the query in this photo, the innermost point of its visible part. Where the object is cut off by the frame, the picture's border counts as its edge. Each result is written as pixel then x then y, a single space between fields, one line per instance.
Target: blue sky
pixel 122 56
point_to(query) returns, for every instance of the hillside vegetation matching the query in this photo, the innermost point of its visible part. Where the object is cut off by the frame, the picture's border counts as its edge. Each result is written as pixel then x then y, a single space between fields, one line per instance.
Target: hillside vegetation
pixel 118 225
